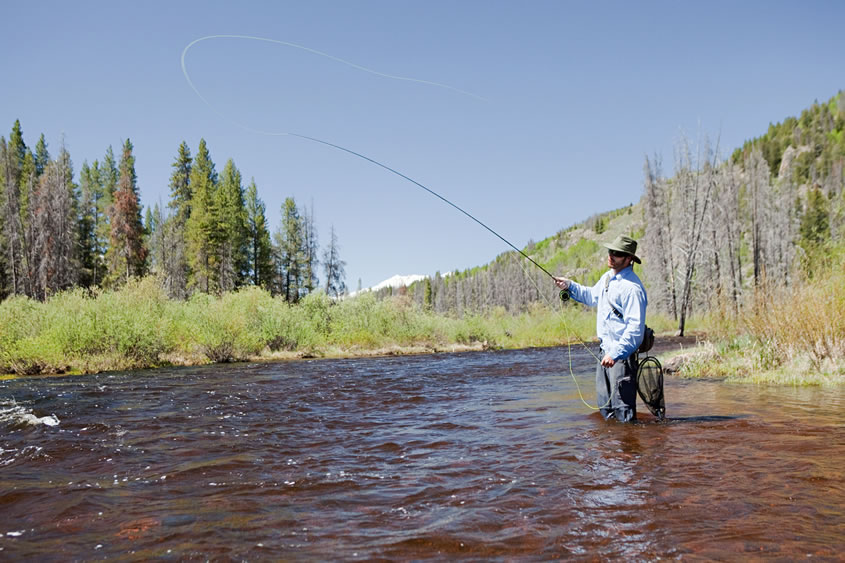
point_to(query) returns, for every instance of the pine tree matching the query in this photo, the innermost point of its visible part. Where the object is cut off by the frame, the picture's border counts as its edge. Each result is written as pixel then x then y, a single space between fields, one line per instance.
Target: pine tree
pixel 290 252
pixel 311 251
pixel 259 249
pixel 86 234
pixel 126 256
pixel 154 227
pixel 334 267
pixel 11 237
pixel 201 224
pixel 815 229
pixel 231 233
pixel 3 242
pixel 180 184
pixel 100 201
pixel 42 157
pixel 173 261
pixel 107 175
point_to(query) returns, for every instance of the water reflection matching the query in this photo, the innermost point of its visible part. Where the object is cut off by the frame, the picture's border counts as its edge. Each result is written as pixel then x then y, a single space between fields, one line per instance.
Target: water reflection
pixel 486 456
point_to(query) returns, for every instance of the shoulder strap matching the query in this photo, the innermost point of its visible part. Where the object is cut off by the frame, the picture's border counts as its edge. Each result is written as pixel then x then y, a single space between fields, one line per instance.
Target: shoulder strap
pixel 612 308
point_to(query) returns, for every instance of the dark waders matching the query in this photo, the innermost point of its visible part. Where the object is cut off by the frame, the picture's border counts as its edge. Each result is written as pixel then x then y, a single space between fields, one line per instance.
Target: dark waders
pixel 616 390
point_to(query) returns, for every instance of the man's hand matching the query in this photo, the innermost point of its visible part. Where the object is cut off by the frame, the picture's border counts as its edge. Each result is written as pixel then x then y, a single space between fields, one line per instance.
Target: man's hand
pixel 562 283
pixel 607 361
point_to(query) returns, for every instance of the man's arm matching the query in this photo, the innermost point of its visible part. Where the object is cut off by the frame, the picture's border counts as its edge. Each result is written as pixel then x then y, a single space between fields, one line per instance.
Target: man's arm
pixel 587 295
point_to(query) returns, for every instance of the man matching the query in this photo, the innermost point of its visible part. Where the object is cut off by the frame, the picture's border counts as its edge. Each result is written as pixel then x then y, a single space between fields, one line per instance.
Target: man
pixel 620 325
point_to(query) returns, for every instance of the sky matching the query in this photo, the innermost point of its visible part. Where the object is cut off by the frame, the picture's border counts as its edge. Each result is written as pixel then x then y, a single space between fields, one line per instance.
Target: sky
pixel 531 116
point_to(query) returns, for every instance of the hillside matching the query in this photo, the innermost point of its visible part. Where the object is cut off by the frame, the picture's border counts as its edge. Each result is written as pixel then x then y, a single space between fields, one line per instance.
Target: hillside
pixel 711 234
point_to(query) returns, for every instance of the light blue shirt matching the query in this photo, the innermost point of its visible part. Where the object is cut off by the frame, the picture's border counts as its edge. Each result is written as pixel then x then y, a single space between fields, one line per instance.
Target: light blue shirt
pixel 620 337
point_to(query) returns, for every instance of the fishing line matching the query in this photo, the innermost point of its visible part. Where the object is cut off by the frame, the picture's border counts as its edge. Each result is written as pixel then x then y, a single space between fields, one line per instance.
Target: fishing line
pixel 569 333
pixel 339 147
pixel 376 162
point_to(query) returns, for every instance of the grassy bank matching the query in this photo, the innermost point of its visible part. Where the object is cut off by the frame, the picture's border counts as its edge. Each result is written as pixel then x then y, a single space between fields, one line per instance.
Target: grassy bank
pixel 139 327
pixel 791 335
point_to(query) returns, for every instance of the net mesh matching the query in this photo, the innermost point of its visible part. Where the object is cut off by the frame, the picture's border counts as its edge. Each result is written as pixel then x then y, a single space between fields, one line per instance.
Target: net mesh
pixel 650 386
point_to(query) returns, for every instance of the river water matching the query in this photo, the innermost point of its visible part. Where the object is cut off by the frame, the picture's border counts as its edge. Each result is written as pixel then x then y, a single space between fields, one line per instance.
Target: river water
pixel 480 456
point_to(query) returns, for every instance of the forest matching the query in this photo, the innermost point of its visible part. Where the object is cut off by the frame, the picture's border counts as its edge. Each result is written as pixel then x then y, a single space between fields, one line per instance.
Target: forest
pixel 212 236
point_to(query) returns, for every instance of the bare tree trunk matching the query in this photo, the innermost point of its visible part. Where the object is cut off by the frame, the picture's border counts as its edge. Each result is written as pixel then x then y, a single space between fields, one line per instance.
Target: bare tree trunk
pixel 695 184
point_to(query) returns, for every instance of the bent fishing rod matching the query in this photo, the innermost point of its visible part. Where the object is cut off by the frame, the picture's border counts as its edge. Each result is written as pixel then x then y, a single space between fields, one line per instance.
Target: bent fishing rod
pixel 341 148
pixel 432 192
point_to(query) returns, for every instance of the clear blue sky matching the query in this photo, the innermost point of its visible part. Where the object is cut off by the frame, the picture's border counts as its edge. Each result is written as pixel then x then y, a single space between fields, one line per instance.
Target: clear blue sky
pixel 573 95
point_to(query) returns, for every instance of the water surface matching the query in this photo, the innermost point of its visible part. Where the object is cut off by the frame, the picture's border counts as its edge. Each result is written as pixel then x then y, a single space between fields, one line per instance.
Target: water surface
pixel 483 456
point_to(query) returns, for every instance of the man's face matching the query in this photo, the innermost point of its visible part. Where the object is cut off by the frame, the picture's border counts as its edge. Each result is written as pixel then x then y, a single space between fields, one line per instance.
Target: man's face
pixel 618 260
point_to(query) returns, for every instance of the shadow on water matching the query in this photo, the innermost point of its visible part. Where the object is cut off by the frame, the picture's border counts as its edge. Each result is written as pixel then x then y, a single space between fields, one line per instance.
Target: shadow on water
pixel 704 418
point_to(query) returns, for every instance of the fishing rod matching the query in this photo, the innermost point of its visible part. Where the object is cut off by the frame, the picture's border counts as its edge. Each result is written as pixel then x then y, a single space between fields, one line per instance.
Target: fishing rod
pixel 432 192
pixel 564 294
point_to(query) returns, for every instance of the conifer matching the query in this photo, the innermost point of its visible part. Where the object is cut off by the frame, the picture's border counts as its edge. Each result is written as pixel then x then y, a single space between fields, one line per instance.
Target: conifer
pixel 201 224
pixel 127 254
pixel 229 234
pixel 259 248
pixel 180 184
pixel 290 252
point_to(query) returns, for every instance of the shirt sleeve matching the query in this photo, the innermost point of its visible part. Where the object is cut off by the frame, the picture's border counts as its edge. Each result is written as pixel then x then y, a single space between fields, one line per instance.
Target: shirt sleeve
pixel 634 315
pixel 587 295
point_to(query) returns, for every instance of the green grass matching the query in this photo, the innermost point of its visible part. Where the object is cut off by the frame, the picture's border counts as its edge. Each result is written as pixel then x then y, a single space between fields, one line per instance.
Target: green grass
pixel 794 335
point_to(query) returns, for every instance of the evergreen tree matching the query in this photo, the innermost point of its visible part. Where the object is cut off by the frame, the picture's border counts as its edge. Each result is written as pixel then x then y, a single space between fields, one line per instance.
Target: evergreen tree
pixel 231 231
pixel 180 184
pixel 311 251
pixel 259 248
pixel 13 155
pixel 201 223
pixel 334 267
pixel 100 200
pixel 86 234
pixel 107 175
pixel 154 227
pixel 126 256
pixel 29 183
pixel 174 261
pixel 290 252
pixel 42 157
pixel 814 229
pixel 4 290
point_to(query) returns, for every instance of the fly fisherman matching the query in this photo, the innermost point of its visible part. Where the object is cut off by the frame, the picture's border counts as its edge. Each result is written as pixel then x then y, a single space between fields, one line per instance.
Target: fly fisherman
pixel 620 325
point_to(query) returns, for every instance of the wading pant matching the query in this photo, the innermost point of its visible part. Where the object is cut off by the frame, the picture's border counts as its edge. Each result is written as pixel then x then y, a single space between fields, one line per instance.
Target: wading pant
pixel 616 390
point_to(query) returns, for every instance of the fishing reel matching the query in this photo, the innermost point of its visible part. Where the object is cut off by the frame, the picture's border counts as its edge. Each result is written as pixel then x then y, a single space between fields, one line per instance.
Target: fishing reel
pixel 564 295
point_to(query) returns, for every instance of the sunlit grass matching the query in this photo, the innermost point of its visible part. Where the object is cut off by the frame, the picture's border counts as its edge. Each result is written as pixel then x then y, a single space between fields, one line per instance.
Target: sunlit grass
pixel 792 336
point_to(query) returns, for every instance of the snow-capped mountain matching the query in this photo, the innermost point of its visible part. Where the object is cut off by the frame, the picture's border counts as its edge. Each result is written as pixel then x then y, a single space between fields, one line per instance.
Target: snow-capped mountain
pixel 395 281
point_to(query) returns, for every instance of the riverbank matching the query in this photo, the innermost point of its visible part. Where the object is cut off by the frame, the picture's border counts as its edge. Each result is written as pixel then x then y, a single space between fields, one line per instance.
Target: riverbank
pixel 138 327
pixel 789 335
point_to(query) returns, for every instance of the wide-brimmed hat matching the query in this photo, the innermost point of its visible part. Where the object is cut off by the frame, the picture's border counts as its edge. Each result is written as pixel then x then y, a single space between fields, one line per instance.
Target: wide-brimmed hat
pixel 624 244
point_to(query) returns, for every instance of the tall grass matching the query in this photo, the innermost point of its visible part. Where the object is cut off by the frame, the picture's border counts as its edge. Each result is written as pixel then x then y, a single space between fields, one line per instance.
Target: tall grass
pixel 137 326
pixel 791 335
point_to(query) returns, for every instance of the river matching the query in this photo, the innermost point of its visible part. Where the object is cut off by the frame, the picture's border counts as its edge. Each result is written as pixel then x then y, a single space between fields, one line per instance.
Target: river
pixel 481 456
